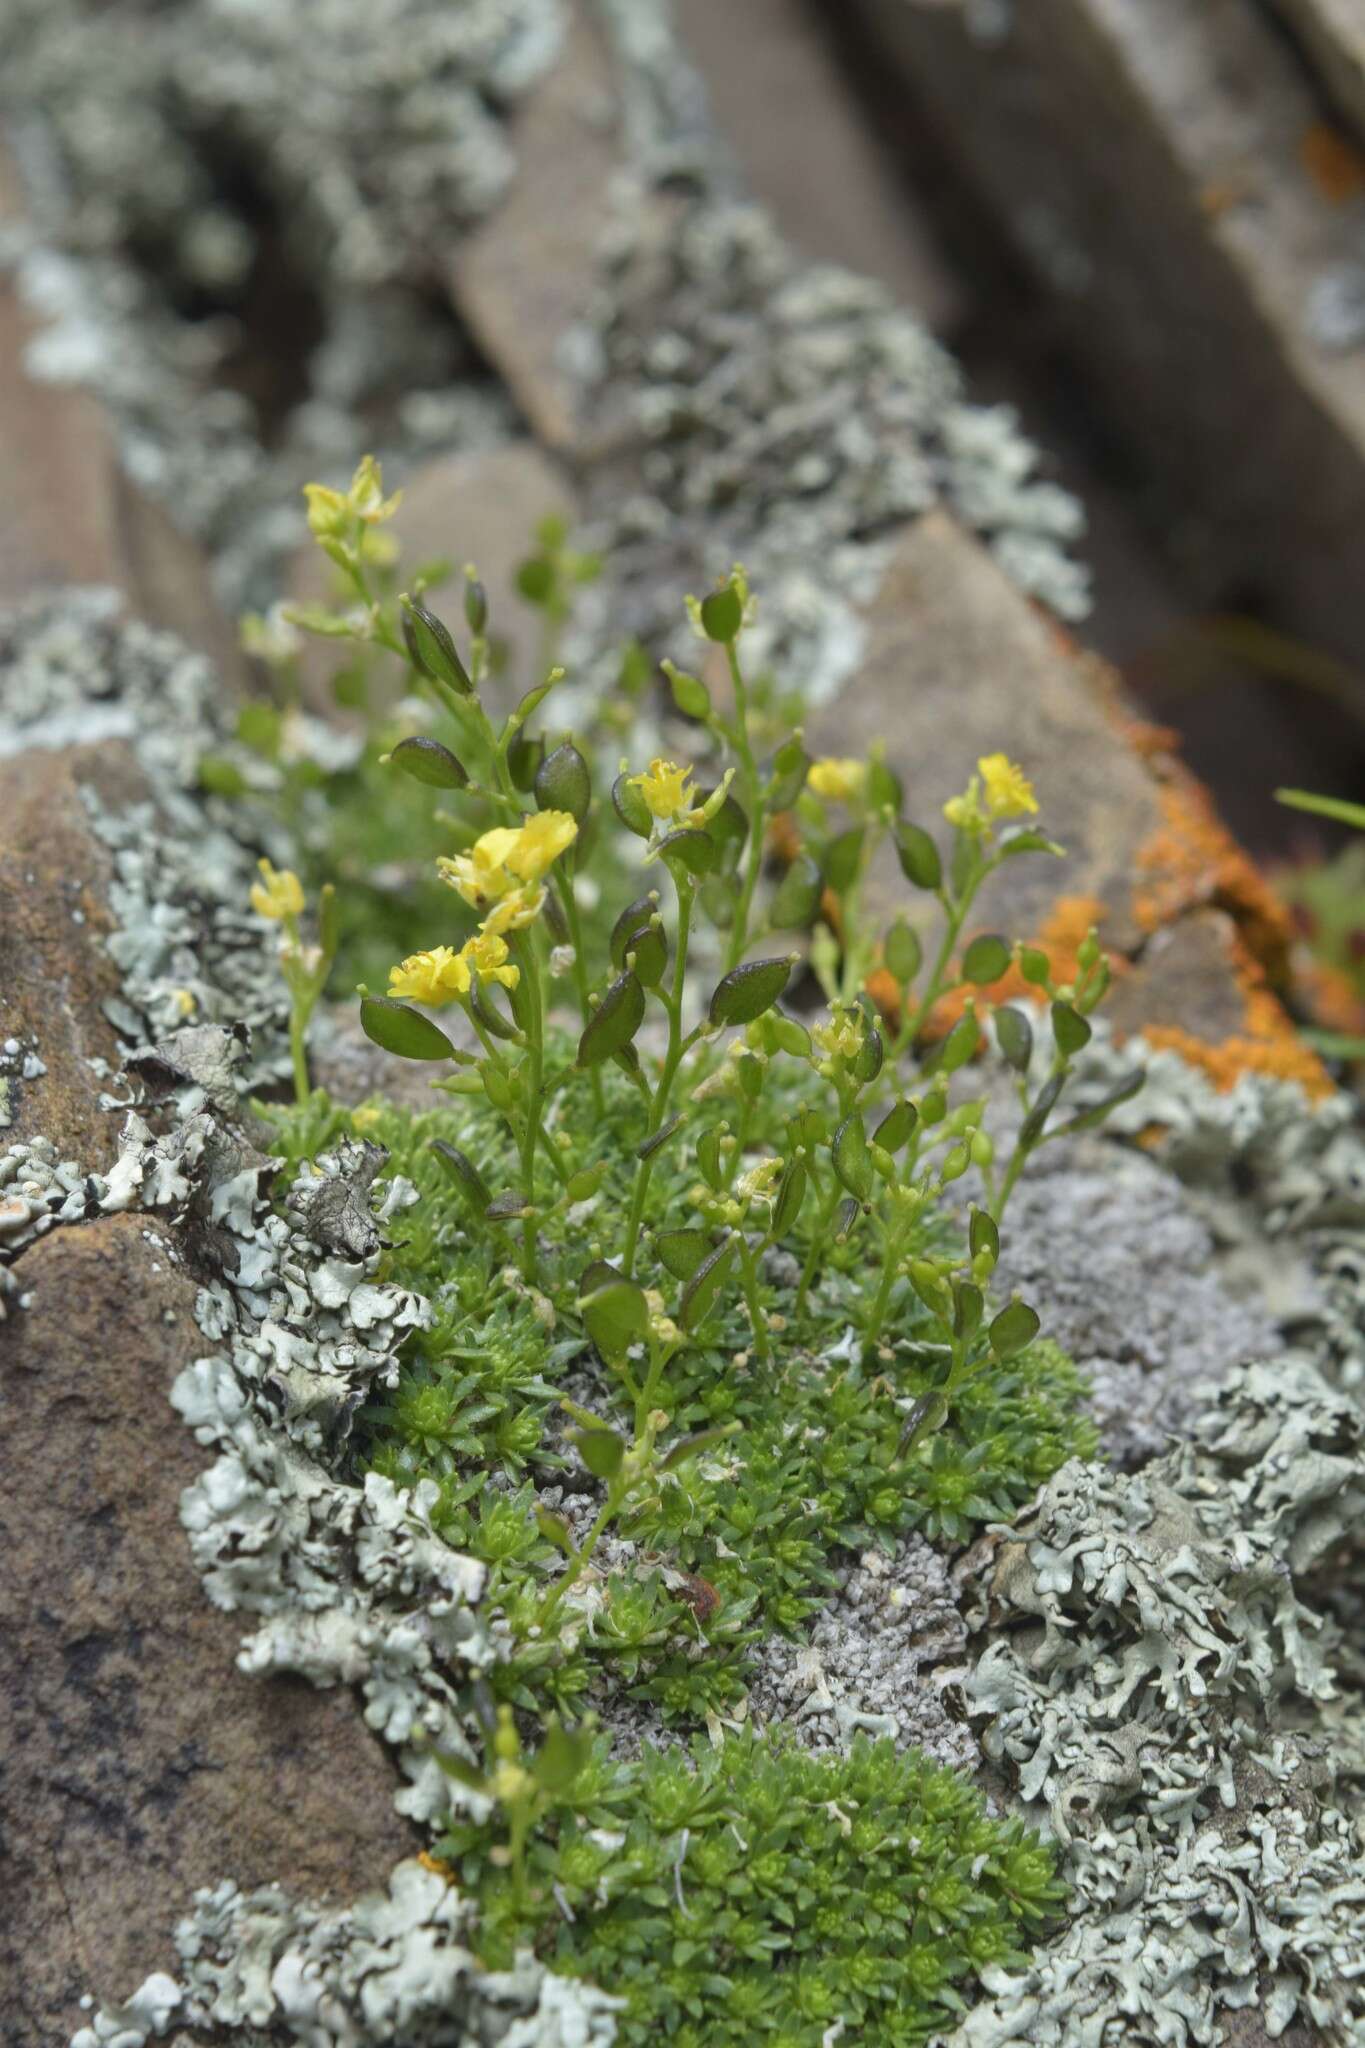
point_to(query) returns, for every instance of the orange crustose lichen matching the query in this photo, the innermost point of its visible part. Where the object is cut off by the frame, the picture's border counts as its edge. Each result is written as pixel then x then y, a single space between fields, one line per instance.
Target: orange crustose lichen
pixel 1268 1044
pixel 1193 859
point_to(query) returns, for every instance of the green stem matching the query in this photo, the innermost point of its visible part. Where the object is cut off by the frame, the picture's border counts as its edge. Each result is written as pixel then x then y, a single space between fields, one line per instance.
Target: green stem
pixel 564 884
pixel 817 1244
pixel 748 1267
pixel 298 1049
pixel 753 790
pixel 676 1048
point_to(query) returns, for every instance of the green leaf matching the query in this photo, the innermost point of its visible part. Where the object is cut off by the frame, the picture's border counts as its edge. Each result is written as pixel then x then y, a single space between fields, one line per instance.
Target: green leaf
pixel 1069 1029
pixel 535 579
pixel 556 1530
pixel 709 1159
pixel 403 1031
pixel 632 919
pixel 463 1170
pixel 430 647
pixel 929 1414
pixel 488 1014
pixel 1028 840
pixel 885 790
pixel 897 1127
pixel 562 1755
pixel 1014 1034
pixel 506 1208
pixel 722 614
pixel 650 1146
pixel 867 1062
pixel 918 856
pixel 968 1308
pixel 614 1022
pixel 1031 1129
pixel 796 898
pixel 729 827
pixel 562 782
pixel 748 990
pixel 693 1446
pixel 1087 1119
pixel 693 850
pixel 852 1161
pixel 524 754
pixel 1336 807
pixel 983 1235
pixel 475 602
pixel 631 807
pixel 845 1216
pixel 221 777
pixel 843 857
pixel 791 1193
pixel 986 959
pixel 787 776
pixel 463 1773
pixel 690 693
pixel 428 761
pixel 960 1044
pixel 615 1315
pixel 260 726
pixel 682 1251
pixel 647 953
pixel 601 1450
pixel 585 1182
pixel 700 1293
pixel 902 953
pixel 1014 1327
pixel 1035 966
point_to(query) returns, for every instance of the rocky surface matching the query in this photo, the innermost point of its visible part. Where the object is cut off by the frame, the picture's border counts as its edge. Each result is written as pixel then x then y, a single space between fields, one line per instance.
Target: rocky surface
pixel 1181 195
pixel 137 1763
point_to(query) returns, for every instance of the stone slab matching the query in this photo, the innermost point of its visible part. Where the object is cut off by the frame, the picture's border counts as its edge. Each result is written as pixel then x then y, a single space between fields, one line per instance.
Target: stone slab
pixel 1153 164
pixel 136 1762
pixel 1332 32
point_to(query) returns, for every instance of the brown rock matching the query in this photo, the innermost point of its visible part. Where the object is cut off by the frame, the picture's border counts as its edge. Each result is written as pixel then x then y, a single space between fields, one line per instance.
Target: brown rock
pixel 54 915
pixel 788 112
pixel 1153 167
pixel 68 511
pixel 960 664
pixel 136 1762
pixel 521 279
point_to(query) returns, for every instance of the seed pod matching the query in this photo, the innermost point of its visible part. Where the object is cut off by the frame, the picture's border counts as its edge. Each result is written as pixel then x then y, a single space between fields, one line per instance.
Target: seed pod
pixel 430 647
pixel 562 782
pixel 614 1022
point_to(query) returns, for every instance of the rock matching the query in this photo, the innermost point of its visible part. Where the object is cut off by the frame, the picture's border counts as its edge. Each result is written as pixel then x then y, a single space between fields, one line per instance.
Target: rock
pixel 521 279
pixel 851 208
pixel 1163 172
pixel 959 664
pixel 136 1762
pixel 69 513
pixel 54 914
pixel 1333 34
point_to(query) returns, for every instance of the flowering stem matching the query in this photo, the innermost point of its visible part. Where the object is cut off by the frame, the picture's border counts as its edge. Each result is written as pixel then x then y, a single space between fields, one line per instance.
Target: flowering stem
pixel 748 1267
pixel 676 1048
pixel 564 884
pixel 298 1048
pixel 753 790
pixel 817 1244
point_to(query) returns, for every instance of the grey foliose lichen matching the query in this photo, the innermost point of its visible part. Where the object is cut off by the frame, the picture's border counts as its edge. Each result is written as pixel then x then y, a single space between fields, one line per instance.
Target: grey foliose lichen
pixel 1164 1669
pixel 239 217
pixel 747 404
pixel 259 1968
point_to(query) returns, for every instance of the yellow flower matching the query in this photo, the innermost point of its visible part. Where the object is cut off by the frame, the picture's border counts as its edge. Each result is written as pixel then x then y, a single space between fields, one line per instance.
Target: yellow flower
pixel 837 778
pixel 436 977
pixel 841 1038
pixel 540 841
pixel 965 811
pixel 328 513
pixel 1009 793
pixel 331 513
pixel 514 912
pixel 486 953
pixel 665 788
pixel 278 895
pixel 758 1181
pixel 481 875
pixel 366 495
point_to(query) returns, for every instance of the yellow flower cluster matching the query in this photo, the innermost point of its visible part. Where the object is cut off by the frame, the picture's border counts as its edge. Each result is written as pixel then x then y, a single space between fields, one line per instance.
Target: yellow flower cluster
pixel 278 895
pixel 332 513
pixel 999 789
pixel 837 778
pixel 503 872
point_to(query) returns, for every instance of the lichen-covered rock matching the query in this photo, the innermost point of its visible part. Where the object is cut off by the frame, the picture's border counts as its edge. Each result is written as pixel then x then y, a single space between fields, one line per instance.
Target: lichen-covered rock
pixel 136 1764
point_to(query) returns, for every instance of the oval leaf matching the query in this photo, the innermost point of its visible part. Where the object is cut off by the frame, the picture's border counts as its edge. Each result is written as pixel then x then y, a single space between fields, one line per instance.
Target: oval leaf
pixel 722 614
pixel 796 898
pixel 693 850
pixel 614 1022
pixel 699 1295
pixel 986 959
pixel 1014 1035
pixel 632 918
pixel 1012 1329
pixel 852 1161
pixel 896 1127
pixel 1069 1029
pixel 601 1451
pixel 902 953
pixel 682 1251
pixel 631 807
pixel 562 782
pixel 428 761
pixel 747 991
pixel 918 856
pixel 403 1031
pixel 615 1316
pixel 463 1171
pixel 843 857
pixel 791 1193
